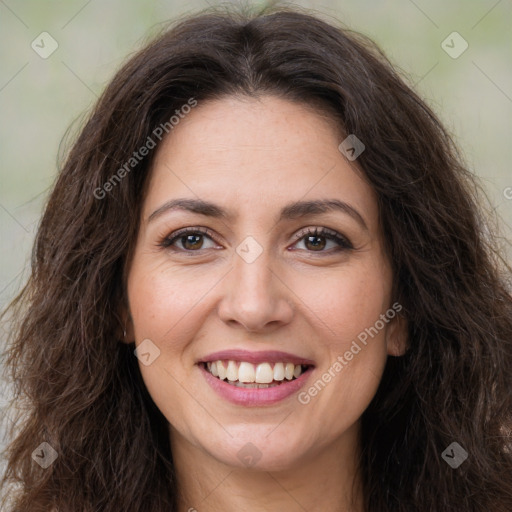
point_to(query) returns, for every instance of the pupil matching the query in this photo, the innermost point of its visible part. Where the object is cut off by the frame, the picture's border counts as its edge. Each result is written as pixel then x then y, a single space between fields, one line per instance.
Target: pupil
pixel 189 238
pixel 316 244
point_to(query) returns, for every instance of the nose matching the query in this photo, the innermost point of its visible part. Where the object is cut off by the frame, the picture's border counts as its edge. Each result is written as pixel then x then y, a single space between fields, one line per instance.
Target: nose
pixel 255 296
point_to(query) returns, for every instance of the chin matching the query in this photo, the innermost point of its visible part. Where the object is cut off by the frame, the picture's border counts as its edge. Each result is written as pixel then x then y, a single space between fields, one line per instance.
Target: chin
pixel 261 451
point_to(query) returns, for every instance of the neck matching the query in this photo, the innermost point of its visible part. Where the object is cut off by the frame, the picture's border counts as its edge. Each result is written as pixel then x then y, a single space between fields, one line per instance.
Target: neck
pixel 327 481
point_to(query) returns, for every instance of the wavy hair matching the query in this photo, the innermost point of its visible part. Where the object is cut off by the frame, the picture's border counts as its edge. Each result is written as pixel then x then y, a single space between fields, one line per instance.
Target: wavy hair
pixel 78 388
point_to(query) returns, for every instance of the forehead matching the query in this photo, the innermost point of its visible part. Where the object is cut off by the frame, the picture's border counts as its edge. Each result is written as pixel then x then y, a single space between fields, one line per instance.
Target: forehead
pixel 254 156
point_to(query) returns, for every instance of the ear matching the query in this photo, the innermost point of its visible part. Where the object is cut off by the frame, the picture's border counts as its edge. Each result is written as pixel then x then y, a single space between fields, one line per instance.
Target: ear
pixel 397 336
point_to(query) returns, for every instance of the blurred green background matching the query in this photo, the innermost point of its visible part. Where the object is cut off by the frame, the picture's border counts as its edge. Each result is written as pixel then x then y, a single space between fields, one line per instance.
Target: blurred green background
pixel 40 98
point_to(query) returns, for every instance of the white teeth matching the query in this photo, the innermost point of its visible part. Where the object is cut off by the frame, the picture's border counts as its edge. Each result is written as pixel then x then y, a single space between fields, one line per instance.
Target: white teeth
pixel 232 371
pixel 264 373
pixel 279 371
pixel 247 373
pixel 221 370
pixel 288 371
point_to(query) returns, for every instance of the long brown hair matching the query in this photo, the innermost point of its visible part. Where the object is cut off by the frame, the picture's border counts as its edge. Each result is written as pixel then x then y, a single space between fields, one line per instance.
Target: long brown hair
pixel 80 389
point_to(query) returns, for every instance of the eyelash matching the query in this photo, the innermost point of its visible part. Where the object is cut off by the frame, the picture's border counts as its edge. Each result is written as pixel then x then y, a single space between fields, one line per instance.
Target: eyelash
pixel 343 243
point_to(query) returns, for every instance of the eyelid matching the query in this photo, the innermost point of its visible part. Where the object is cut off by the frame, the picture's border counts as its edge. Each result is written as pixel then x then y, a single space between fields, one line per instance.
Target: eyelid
pixel 167 240
pixel 312 230
pixel 342 242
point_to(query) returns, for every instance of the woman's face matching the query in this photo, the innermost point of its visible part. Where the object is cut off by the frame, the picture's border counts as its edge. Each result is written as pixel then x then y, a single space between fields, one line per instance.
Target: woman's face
pixel 260 292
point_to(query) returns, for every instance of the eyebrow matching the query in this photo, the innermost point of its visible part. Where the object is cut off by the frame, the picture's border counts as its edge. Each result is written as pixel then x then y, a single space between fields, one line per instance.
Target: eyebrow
pixel 291 211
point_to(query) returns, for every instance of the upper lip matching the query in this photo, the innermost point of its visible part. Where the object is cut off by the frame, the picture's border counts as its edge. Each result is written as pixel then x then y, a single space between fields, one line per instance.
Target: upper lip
pixel 265 356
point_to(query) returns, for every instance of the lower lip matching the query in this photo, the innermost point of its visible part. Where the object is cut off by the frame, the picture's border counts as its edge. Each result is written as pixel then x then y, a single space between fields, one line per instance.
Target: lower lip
pixel 254 396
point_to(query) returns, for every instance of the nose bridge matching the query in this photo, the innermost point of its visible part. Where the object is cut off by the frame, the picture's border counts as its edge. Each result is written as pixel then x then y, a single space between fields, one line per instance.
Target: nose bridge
pixel 252 275
pixel 254 296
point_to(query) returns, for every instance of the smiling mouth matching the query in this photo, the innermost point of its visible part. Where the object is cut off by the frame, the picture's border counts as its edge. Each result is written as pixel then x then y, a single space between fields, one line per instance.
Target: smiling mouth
pixel 243 374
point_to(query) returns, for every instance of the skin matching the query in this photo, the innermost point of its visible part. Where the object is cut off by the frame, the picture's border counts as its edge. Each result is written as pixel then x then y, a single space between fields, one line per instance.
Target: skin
pixel 252 157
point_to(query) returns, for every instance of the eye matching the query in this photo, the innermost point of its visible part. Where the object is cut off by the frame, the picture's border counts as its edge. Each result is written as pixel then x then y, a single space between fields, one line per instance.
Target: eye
pixel 315 239
pixel 191 239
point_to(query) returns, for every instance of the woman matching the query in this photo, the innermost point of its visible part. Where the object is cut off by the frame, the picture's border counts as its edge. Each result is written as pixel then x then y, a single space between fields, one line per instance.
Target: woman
pixel 261 282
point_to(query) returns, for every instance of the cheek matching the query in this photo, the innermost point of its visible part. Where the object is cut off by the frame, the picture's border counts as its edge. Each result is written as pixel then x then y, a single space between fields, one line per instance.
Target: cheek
pixel 353 337
pixel 164 306
pixel 348 302
pixel 163 301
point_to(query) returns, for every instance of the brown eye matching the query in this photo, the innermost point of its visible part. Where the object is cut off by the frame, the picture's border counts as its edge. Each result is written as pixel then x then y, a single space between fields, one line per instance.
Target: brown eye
pixel 316 240
pixel 192 241
pixel 188 240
